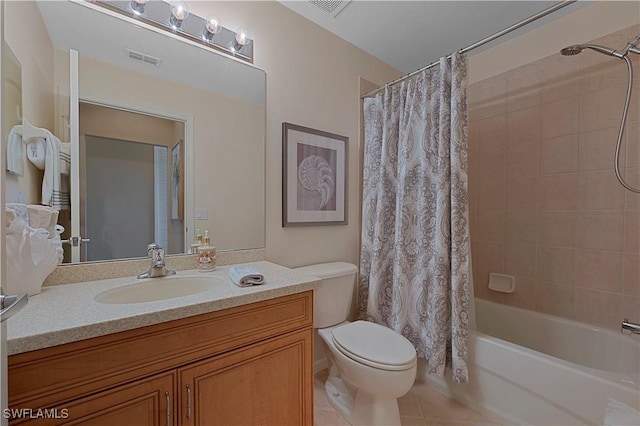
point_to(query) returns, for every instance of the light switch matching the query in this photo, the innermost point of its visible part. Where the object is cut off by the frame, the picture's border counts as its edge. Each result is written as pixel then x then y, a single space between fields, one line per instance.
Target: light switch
pixel 202 214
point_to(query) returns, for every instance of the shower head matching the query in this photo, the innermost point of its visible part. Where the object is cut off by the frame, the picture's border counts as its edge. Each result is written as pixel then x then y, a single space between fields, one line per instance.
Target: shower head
pixel 578 48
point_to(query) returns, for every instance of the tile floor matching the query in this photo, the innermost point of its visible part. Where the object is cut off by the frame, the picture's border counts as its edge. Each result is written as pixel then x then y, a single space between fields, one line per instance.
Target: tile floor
pixel 421 406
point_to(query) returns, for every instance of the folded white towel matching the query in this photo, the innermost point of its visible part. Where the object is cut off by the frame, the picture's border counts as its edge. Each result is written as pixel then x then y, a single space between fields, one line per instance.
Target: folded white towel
pixel 245 276
pixel 15 164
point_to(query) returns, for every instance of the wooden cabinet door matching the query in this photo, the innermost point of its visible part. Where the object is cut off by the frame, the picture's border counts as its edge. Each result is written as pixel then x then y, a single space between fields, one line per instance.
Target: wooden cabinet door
pixel 268 383
pixel 146 402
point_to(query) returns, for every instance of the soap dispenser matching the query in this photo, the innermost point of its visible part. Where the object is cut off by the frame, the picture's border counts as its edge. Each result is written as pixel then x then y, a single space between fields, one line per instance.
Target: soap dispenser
pixel 206 254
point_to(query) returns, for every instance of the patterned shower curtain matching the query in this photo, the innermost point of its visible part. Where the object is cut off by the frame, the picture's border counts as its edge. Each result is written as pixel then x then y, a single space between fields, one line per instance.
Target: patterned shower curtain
pixel 415 264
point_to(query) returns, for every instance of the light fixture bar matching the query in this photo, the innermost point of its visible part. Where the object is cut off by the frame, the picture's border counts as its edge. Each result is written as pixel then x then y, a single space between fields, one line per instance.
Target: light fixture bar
pixel 158 14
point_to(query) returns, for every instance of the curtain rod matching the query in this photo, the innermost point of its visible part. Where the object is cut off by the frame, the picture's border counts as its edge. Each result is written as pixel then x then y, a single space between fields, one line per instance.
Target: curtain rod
pixel 482 42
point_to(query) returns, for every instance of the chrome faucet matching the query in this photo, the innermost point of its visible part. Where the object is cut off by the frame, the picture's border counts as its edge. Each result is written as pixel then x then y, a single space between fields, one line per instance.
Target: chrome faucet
pixel 629 327
pixel 157 269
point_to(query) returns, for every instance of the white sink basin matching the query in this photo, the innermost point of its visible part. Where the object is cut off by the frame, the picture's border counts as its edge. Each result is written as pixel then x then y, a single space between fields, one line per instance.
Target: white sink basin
pixel 155 289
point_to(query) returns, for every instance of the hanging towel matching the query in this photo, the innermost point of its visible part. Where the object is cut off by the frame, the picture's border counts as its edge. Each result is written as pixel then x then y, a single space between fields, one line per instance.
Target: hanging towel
pixel 55 189
pixel 15 151
pixel 36 152
pixel 245 276
pixel 65 158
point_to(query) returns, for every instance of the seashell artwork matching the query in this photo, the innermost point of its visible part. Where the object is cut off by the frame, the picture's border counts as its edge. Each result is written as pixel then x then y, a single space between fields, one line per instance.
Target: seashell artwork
pixel 317 177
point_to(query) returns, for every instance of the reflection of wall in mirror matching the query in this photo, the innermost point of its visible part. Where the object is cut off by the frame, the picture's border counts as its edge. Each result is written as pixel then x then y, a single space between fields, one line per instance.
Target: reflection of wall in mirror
pixel 26 35
pixel 228 144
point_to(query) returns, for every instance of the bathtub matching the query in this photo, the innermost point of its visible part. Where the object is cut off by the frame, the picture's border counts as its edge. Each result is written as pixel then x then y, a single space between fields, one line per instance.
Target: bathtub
pixel 532 368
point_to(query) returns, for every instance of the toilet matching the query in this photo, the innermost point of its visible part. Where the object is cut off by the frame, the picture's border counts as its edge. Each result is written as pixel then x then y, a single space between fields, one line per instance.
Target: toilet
pixel 370 366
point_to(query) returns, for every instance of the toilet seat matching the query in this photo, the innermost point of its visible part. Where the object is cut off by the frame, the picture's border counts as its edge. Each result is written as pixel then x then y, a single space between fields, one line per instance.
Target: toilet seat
pixel 374 345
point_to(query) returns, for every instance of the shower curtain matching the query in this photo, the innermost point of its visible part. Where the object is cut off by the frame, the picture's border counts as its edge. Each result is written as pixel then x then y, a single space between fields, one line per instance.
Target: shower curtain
pixel 415 264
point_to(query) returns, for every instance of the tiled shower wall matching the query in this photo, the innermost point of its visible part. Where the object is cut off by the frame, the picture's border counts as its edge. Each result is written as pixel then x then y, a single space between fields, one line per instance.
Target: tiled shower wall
pixel 544 201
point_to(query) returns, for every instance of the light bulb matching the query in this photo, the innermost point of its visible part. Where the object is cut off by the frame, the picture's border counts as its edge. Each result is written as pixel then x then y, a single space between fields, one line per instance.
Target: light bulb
pixel 138 7
pixel 179 12
pixel 243 38
pixel 212 26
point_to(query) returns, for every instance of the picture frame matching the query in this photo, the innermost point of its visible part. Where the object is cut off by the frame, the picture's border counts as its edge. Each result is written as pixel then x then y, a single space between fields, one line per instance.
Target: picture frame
pixel 177 181
pixel 314 177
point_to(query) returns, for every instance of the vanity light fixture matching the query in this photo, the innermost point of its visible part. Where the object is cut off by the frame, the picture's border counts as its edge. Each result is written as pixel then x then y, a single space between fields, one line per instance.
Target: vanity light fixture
pixel 138 7
pixel 212 26
pixel 179 12
pixel 174 17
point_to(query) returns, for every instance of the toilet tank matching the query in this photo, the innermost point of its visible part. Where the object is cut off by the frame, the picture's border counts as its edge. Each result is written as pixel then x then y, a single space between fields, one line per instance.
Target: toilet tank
pixel 333 298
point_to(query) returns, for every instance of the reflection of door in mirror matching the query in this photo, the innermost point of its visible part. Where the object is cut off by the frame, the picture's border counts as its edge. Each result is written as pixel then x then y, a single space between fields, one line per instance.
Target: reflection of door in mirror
pixel 125 183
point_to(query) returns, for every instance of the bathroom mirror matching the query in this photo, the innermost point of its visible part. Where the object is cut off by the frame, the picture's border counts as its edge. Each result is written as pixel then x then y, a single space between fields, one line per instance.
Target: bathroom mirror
pixel 217 105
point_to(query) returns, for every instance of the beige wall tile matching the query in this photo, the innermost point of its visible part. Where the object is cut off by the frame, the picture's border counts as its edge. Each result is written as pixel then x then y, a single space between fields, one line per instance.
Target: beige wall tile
pixel 632 177
pixel 522 192
pixel 600 191
pixel 631 273
pixel 632 232
pixel 524 296
pixel 523 91
pixel 492 162
pixel 558 192
pixel 556 229
pixel 523 126
pixel 560 118
pixel 555 265
pixel 602 74
pixel 492 100
pixel 599 270
pixel 490 258
pixel 522 160
pixel 554 299
pixel 521 227
pixel 602 109
pixel 597 149
pixel 491 225
pixel 491 194
pixel 599 230
pixel 597 307
pixel 492 131
pixel 559 155
pixel 630 309
pixel 560 78
pixel 520 260
pixel 632 144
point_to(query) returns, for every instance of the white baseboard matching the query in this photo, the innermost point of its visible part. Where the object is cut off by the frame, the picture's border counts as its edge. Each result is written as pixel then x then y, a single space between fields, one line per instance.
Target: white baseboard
pixel 319 365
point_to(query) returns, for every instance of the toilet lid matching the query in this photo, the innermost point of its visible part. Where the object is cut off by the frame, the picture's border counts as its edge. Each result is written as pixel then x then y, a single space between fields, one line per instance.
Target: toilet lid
pixel 374 345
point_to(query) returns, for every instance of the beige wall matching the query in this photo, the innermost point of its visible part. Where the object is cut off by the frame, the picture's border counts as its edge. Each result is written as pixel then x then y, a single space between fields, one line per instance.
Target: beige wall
pixel 35 54
pixel 312 80
pixel 545 204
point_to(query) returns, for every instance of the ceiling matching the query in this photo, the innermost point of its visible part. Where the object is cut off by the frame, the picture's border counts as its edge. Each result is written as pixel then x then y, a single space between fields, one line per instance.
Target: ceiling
pixel 411 34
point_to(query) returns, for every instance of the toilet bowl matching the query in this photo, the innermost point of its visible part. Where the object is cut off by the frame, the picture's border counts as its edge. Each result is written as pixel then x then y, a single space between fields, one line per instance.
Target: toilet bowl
pixel 370 366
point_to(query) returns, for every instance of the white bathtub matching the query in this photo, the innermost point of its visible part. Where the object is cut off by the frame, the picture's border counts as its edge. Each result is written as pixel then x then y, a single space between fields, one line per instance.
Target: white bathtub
pixel 532 368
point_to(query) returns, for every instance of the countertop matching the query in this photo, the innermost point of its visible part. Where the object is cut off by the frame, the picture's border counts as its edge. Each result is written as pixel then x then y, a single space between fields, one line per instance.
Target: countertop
pixel 68 313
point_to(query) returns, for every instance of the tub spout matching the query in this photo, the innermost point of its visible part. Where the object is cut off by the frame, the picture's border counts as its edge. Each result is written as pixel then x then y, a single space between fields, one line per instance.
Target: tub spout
pixel 629 327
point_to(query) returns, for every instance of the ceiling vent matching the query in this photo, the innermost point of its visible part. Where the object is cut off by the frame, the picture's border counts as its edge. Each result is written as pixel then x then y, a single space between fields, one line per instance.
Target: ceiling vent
pixel 143 57
pixel 331 7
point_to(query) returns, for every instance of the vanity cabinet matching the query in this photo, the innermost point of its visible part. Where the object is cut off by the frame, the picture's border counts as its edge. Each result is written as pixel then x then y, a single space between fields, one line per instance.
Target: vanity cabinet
pixel 251 364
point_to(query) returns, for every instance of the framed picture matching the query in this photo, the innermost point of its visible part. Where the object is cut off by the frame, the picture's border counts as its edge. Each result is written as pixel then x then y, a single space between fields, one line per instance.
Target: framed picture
pixel 177 181
pixel 314 177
